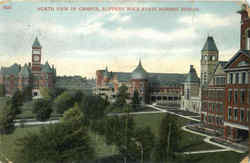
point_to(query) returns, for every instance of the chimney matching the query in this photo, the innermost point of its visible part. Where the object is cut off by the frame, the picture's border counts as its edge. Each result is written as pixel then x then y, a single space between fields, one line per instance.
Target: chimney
pixel 244 27
pixel 243 12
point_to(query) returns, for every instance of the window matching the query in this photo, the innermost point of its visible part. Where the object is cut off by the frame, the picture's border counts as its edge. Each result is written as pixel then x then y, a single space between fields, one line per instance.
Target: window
pixel 221 108
pixel 231 78
pixel 243 78
pixel 220 80
pixel 236 97
pixel 229 113
pixel 218 108
pixel 241 115
pixel 242 96
pixel 248 95
pixel 188 94
pixel 248 115
pixel 235 114
pixel 213 107
pixel 237 78
pixel 230 94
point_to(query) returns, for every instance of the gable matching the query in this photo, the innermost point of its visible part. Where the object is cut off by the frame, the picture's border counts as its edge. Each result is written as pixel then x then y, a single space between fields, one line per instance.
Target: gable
pixel 241 61
pixel 219 70
pixel 240 57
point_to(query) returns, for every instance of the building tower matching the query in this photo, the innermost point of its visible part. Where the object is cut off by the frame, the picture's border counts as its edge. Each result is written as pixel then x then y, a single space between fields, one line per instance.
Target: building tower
pixel 139 82
pixel 244 29
pixel 191 88
pixel 36 66
pixel 209 59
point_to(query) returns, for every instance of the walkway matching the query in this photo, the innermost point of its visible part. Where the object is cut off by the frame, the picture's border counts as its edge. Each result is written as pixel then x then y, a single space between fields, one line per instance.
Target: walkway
pixel 173 113
pixel 36 123
pixel 208 138
pixel 207 151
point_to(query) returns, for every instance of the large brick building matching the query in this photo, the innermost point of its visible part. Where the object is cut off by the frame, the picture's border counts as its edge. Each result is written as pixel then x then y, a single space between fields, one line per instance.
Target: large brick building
pixel 213 99
pixel 237 90
pixel 34 74
pixel 226 94
pixel 162 88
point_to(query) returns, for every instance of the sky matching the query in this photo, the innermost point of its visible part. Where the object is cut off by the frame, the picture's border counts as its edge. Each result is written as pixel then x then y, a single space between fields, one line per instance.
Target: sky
pixel 81 42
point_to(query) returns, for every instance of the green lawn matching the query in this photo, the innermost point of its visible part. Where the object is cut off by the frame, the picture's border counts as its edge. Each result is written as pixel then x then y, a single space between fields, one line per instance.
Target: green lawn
pixel 189 142
pixel 220 157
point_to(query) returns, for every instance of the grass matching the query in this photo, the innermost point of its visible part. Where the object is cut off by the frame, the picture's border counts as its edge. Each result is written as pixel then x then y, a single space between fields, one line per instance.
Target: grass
pixel 220 157
pixel 189 142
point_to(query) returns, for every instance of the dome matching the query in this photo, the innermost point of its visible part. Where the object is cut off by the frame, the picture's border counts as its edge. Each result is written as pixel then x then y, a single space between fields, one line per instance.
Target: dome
pixel 139 72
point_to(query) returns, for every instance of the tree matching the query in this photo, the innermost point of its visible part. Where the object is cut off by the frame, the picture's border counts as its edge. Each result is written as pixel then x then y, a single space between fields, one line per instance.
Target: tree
pixel 7 117
pixel 74 115
pixel 16 101
pixel 2 90
pixel 27 93
pixel 135 100
pixel 63 102
pixel 43 109
pixel 45 93
pixel 122 96
pixel 119 130
pixel 78 96
pixel 144 139
pixel 93 106
pixel 61 143
pixel 169 137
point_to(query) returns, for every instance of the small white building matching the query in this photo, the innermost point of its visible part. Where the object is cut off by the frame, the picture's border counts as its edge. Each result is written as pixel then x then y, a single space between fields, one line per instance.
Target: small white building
pixel 191 101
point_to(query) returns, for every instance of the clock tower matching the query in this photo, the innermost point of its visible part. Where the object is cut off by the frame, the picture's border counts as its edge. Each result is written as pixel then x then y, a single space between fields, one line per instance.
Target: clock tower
pixel 36 57
pixel 36 64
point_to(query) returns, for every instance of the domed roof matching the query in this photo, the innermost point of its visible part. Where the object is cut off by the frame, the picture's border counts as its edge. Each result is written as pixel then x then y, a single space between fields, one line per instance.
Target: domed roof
pixel 139 72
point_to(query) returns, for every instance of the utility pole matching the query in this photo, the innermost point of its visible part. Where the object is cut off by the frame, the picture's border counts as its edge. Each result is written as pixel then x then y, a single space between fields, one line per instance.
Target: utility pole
pixel 169 135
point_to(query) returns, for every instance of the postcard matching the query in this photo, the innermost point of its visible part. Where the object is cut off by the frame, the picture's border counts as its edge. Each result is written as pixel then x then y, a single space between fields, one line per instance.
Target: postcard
pixel 124 81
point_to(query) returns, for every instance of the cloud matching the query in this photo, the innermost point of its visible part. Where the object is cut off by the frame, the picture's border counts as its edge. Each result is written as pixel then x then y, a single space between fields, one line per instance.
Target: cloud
pixel 117 17
pixel 210 20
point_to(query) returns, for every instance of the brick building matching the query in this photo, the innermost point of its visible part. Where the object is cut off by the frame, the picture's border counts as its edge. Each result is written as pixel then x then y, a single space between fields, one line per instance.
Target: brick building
pixel 213 99
pixel 34 74
pixel 237 91
pixel 162 88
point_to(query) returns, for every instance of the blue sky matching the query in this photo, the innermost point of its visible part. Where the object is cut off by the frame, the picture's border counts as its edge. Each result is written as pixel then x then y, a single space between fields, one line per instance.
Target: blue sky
pixel 80 42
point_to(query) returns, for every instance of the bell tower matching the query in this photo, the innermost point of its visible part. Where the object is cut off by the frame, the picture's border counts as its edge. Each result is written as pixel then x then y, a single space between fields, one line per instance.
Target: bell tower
pixel 209 59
